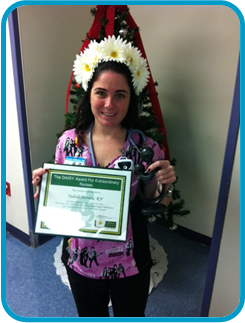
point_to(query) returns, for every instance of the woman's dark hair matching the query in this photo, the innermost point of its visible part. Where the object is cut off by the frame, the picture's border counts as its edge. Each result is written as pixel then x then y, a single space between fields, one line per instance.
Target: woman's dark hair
pixel 84 116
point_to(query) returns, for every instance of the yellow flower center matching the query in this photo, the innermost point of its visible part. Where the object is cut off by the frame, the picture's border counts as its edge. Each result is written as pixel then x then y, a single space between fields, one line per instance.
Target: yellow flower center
pixel 131 60
pixel 114 54
pixel 87 69
pixel 138 74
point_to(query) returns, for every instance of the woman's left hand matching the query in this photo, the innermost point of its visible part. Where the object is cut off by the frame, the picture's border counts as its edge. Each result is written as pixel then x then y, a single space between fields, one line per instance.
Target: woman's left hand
pixel 166 174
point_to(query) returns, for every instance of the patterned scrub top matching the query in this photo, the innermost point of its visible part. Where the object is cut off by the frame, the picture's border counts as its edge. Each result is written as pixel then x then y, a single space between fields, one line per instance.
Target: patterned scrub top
pixel 101 259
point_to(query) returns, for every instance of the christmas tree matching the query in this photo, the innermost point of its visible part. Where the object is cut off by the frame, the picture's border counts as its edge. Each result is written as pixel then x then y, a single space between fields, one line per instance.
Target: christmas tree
pixel 117 20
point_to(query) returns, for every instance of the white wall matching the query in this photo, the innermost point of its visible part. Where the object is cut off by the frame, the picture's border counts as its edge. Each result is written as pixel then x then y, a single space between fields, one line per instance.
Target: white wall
pixel 193 54
pixel 16 209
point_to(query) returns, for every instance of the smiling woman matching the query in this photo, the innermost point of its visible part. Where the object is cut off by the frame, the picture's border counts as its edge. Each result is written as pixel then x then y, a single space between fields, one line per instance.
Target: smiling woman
pixel 105 117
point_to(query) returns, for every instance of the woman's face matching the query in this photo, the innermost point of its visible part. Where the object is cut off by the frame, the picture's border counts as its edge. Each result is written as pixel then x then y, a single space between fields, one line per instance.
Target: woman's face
pixel 109 99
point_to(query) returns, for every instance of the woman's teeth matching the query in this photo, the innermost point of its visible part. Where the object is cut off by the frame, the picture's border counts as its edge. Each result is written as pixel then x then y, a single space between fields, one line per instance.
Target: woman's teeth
pixel 109 114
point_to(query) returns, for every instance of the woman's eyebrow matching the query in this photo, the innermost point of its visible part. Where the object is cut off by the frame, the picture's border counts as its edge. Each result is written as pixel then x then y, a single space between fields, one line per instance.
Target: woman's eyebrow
pixel 99 88
pixel 102 89
pixel 124 91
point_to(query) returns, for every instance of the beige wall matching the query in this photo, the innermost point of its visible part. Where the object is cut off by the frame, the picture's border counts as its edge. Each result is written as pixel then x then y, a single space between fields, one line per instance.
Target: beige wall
pixel 193 53
pixel 51 36
pixel 226 292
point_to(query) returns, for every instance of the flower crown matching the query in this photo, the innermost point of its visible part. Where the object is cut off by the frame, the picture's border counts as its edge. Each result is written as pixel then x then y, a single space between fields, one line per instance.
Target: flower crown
pixel 111 49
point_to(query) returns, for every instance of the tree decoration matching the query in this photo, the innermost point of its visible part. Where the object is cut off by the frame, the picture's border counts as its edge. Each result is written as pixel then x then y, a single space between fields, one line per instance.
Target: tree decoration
pixel 115 23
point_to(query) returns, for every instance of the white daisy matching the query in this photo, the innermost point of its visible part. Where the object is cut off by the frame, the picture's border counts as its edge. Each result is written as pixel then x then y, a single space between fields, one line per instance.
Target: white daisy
pixel 113 48
pixel 83 67
pixel 140 76
pixel 94 52
pixel 132 56
pixel 99 223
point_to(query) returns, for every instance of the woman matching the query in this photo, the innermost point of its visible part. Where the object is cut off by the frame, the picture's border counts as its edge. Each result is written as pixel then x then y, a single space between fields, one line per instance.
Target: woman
pixel 100 271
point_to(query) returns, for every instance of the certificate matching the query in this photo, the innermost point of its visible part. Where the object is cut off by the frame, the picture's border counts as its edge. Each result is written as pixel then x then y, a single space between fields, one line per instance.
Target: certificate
pixel 84 202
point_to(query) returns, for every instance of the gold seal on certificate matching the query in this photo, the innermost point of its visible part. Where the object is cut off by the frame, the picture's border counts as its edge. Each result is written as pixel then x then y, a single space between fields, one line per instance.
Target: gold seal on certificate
pixel 84 202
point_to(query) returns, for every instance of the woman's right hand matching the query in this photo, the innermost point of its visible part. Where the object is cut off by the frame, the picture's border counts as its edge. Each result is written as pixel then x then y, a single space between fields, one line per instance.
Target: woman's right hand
pixel 36 178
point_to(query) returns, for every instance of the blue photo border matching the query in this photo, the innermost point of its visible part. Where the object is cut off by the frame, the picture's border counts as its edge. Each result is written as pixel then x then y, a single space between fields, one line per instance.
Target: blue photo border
pixel 238 99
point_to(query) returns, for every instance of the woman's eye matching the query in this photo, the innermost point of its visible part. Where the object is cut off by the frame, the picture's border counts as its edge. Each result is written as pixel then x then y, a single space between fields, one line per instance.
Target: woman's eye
pixel 120 95
pixel 100 93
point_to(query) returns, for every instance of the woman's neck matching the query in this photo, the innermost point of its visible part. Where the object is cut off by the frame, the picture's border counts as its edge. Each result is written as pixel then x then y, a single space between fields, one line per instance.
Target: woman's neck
pixel 106 145
pixel 107 133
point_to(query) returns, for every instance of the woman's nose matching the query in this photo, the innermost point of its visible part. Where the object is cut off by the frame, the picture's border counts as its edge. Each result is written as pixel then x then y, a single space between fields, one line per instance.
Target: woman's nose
pixel 109 102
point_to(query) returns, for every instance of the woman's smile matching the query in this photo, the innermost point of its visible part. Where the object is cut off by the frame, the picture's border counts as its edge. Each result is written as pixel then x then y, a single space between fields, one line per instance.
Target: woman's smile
pixel 109 114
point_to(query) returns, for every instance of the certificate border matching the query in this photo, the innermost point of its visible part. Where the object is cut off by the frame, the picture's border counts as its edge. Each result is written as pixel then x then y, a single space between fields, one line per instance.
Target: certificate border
pixel 123 175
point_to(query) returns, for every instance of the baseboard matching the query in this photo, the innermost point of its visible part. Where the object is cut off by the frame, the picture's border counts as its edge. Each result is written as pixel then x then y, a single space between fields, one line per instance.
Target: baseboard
pixel 193 235
pixel 190 234
pixel 32 240
pixel 18 234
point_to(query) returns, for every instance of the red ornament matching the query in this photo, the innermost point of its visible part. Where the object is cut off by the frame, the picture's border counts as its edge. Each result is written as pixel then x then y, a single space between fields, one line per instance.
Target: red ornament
pixel 77 86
